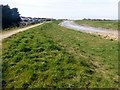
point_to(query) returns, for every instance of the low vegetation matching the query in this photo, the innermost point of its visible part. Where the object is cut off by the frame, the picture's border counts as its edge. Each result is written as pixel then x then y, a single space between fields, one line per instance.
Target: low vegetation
pixel 100 24
pixel 50 56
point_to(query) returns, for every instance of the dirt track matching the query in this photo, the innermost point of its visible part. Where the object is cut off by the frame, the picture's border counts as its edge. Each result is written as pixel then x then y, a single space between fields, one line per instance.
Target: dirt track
pixel 10 33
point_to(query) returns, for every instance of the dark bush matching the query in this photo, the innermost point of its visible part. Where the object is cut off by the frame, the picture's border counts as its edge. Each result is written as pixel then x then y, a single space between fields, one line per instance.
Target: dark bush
pixel 10 17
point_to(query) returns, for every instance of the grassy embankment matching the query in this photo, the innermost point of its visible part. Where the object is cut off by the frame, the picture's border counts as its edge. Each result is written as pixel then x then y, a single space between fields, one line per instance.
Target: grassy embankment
pixel 53 56
pixel 99 24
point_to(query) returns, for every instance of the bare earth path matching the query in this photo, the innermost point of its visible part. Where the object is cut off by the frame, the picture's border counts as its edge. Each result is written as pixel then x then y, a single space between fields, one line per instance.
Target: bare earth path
pixel 108 34
pixel 9 33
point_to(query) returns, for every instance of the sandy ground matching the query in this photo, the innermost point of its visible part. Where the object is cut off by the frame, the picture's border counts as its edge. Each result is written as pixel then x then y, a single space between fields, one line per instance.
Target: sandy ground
pixel 111 34
pixel 10 33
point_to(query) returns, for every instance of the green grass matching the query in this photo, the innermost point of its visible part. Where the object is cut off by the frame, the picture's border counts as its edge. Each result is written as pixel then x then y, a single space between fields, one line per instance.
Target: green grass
pixel 50 56
pixel 100 24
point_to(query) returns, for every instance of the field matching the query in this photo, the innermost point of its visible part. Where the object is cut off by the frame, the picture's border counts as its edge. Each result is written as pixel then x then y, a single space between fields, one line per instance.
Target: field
pixel 99 24
pixel 51 56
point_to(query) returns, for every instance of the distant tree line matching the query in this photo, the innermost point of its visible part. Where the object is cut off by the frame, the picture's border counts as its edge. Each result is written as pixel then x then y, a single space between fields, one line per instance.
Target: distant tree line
pixel 10 17
pixel 97 19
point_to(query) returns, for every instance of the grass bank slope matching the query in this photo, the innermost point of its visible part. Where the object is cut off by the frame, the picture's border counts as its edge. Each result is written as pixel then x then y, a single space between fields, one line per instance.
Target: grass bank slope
pixel 99 24
pixel 53 56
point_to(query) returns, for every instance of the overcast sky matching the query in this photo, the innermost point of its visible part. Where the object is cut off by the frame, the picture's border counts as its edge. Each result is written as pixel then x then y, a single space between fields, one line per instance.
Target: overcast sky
pixel 70 9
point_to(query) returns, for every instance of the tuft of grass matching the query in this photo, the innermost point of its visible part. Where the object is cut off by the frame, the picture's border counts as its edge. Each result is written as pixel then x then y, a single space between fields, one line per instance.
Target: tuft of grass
pixel 51 56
